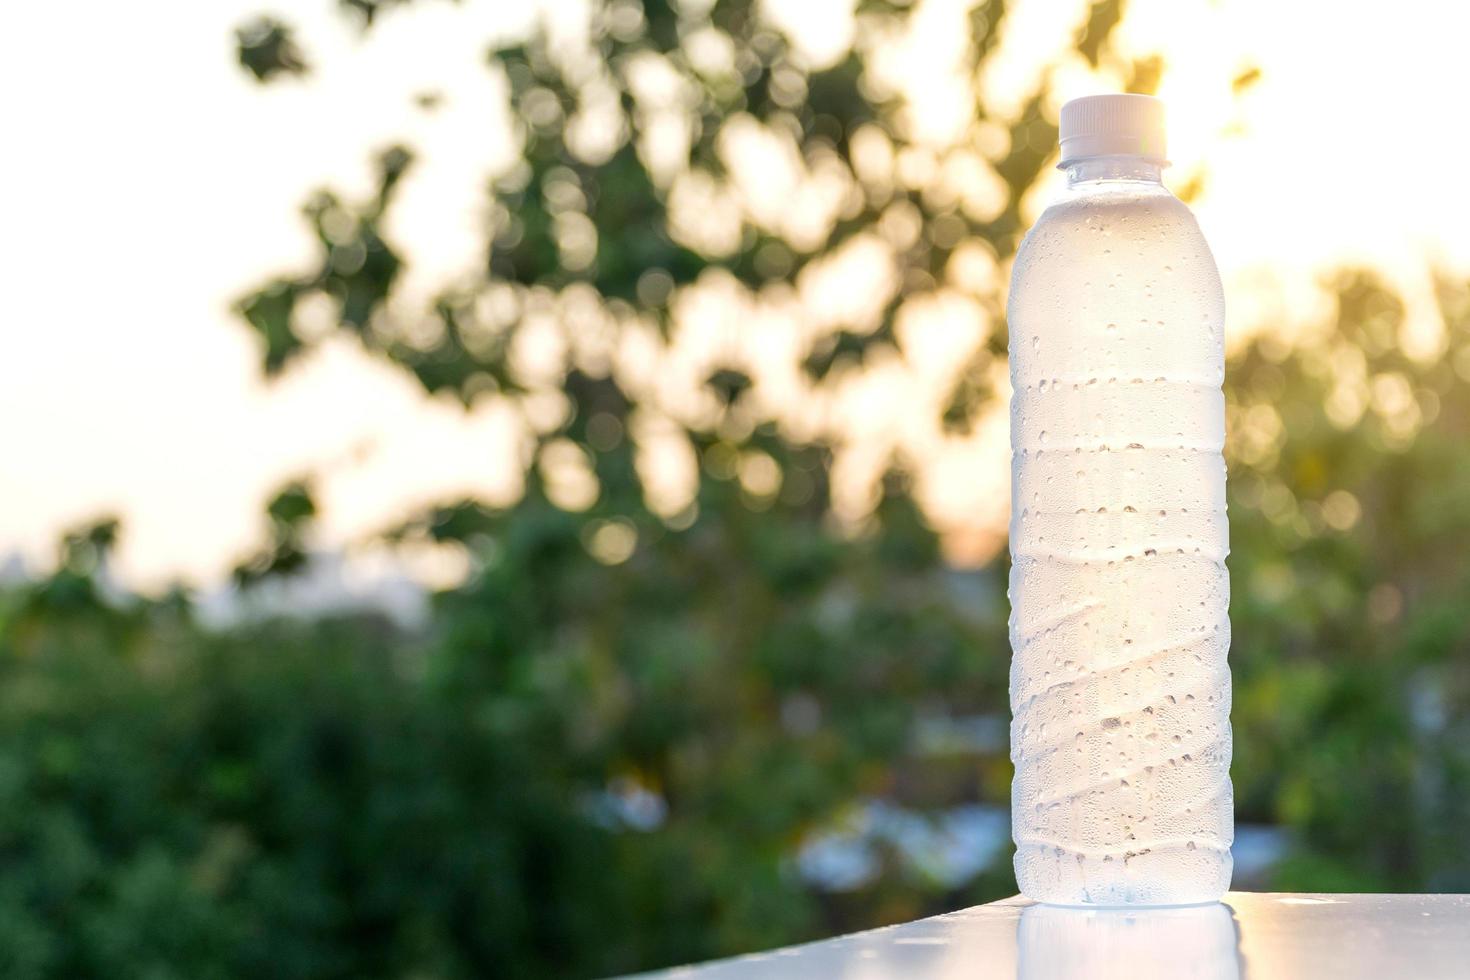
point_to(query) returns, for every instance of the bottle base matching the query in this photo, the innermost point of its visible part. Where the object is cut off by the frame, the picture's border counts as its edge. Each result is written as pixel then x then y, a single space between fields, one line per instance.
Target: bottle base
pixel 1175 875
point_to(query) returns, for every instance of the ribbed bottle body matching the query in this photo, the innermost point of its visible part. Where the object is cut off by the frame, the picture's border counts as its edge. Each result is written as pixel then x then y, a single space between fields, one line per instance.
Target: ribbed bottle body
pixel 1120 689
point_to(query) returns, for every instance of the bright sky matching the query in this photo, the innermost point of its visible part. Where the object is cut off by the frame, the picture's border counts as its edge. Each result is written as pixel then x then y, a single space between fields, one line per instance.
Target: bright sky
pixel 148 184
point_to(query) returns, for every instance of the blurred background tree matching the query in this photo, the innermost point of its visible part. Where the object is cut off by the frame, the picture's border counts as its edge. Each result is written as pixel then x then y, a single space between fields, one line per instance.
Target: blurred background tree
pixel 642 728
pixel 748 668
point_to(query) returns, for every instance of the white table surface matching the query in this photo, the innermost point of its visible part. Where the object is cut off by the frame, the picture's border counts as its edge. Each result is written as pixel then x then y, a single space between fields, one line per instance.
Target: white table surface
pixel 1249 935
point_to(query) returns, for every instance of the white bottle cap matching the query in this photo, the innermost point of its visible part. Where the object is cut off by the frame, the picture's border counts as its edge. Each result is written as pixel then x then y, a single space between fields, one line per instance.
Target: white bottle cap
pixel 1113 125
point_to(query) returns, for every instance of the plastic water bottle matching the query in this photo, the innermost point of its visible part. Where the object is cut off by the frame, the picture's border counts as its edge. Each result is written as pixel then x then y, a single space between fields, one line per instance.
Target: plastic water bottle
pixel 1120 690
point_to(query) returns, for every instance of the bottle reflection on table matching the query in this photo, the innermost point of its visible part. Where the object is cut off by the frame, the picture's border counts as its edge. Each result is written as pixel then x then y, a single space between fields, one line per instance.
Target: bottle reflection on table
pixel 1186 943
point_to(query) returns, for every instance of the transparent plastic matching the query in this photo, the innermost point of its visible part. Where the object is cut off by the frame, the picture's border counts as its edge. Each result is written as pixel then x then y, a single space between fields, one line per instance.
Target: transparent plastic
pixel 1120 690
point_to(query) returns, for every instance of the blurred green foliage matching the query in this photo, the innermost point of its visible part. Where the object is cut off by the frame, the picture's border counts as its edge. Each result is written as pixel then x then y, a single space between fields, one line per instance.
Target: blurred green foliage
pixel 267 48
pixel 1350 495
pixel 607 746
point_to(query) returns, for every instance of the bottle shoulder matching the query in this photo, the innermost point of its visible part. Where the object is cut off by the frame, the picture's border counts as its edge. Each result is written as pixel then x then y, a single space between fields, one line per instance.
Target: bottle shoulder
pixel 1112 227
pixel 1128 205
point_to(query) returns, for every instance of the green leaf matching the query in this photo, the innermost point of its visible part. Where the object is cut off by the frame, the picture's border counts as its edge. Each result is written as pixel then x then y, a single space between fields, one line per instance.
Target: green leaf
pixel 266 47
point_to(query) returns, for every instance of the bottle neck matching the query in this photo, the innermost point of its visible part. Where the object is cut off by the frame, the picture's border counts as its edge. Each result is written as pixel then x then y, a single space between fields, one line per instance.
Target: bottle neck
pixel 1090 170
